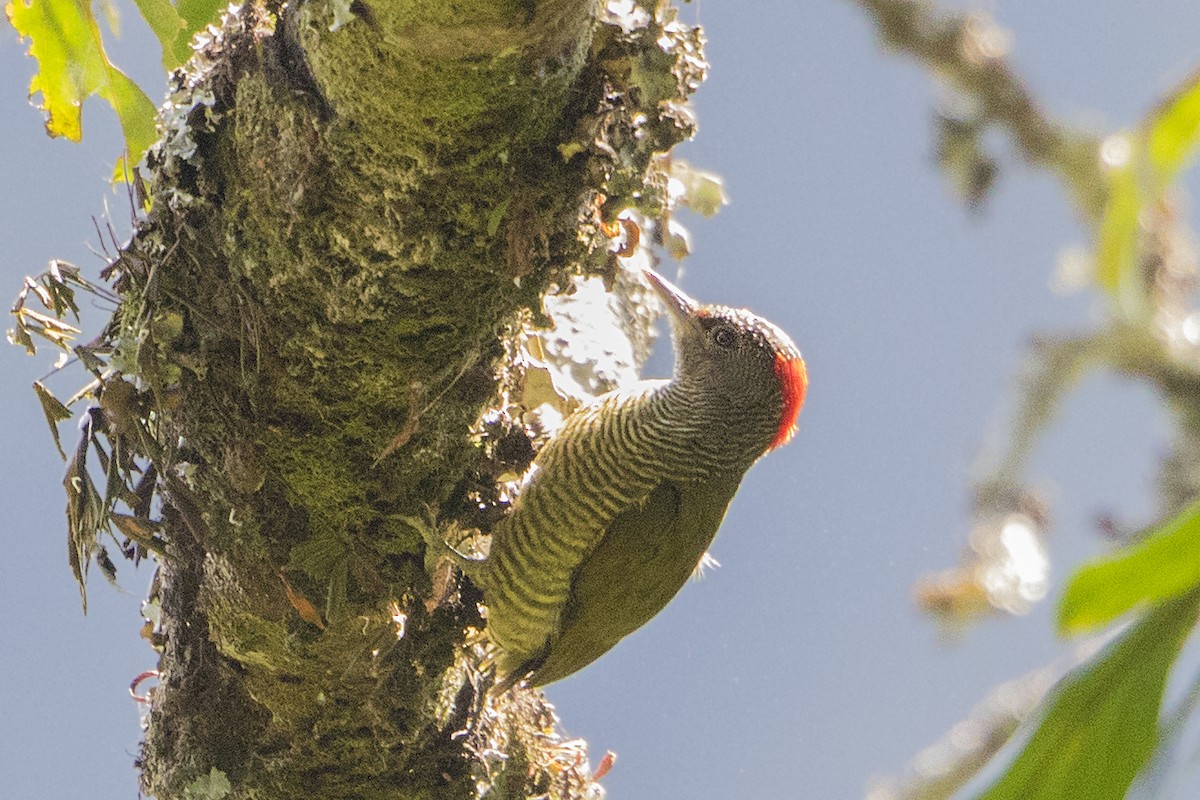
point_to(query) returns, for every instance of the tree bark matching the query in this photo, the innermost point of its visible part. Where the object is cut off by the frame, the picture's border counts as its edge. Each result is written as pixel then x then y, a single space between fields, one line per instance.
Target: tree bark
pixel 355 209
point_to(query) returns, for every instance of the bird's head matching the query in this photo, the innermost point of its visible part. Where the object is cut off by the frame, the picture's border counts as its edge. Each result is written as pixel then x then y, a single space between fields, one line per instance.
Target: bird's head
pixel 736 358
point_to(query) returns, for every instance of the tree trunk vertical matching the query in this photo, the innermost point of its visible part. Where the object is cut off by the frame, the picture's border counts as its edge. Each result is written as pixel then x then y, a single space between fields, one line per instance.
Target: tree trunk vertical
pixel 354 210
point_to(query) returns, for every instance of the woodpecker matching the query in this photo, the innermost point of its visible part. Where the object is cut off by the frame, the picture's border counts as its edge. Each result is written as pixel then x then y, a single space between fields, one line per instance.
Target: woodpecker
pixel 622 503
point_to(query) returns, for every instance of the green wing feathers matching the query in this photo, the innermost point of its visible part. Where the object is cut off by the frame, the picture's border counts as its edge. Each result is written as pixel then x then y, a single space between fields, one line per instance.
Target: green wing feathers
pixel 644 558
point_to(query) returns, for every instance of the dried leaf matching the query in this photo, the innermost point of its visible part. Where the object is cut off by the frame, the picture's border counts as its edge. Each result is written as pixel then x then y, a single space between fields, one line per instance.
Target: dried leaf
pixel 49 322
pixel 141 530
pixel 105 563
pixel 304 607
pixel 55 413
pixel 85 513
pixel 20 337
pixel 43 294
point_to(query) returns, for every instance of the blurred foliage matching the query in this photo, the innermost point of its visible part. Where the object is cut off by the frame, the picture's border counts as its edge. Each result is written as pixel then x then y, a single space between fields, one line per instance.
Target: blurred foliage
pixel 1163 565
pixel 1103 726
pixel 65 38
pixel 1143 165
pixel 1100 723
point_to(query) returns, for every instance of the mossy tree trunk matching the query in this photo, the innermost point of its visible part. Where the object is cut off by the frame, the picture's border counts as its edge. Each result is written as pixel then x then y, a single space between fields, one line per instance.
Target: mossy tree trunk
pixel 354 208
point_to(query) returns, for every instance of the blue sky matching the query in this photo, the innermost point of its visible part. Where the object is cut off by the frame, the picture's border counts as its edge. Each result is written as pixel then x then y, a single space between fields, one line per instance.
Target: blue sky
pixel 800 667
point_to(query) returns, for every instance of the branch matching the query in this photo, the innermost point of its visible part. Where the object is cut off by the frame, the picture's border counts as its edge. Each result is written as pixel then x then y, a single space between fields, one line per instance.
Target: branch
pixel 967 50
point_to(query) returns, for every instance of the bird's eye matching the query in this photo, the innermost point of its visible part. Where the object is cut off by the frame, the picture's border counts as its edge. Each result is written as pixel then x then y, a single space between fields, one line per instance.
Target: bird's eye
pixel 724 337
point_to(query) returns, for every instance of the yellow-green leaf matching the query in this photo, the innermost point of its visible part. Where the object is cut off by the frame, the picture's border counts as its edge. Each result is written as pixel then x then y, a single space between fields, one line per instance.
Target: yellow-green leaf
pixel 167 25
pixel 1175 131
pixel 1153 156
pixel 175 24
pixel 1101 723
pixel 1164 564
pixel 197 14
pixel 72 66
pixel 1117 239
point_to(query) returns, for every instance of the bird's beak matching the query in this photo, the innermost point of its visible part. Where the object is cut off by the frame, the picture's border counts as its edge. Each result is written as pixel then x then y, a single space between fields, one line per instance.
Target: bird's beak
pixel 680 308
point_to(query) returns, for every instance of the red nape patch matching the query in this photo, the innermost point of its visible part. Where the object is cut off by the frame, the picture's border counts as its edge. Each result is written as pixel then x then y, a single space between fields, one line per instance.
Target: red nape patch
pixel 793 379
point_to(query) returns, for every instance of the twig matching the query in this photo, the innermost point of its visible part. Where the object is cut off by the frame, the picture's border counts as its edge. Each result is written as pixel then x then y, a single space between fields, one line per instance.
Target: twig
pixel 967 50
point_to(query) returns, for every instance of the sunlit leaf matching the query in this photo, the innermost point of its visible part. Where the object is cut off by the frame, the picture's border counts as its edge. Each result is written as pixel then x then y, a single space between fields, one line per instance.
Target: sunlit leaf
pixel 702 191
pixel 50 328
pixel 41 292
pixel 1145 162
pixel 1163 564
pixel 1101 722
pixel 1117 239
pixel 72 66
pixel 55 412
pixel 1175 131
pixel 20 337
pixel 167 25
pixel 199 13
pixel 50 323
pixel 175 24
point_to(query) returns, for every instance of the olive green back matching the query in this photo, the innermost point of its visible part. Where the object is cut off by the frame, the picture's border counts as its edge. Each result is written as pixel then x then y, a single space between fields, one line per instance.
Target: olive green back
pixel 644 558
